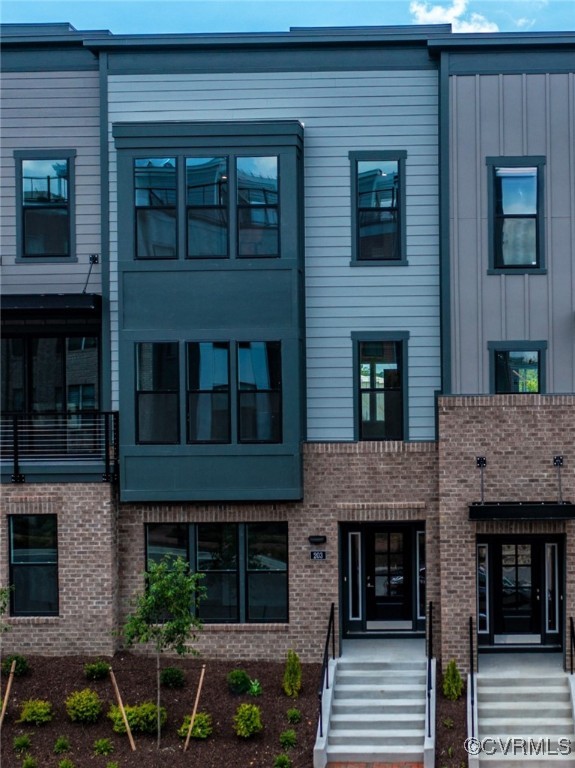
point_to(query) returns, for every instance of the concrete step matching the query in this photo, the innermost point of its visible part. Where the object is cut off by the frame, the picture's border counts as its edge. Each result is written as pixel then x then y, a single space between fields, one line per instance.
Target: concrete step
pixel 394 666
pixel 397 737
pixel 536 726
pixel 371 754
pixel 378 706
pixel 384 678
pixel 351 691
pixel 383 722
pixel 497 691
pixel 551 709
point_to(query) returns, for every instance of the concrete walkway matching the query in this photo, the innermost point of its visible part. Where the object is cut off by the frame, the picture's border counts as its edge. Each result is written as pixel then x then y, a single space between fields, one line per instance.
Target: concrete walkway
pixel 384 649
pixel 513 664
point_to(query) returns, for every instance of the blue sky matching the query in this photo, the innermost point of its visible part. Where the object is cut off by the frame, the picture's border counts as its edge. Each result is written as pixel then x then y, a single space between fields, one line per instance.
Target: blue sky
pixel 176 16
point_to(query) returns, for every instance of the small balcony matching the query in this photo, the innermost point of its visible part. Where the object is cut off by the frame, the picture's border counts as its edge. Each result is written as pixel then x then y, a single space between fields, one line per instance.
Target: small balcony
pixel 79 446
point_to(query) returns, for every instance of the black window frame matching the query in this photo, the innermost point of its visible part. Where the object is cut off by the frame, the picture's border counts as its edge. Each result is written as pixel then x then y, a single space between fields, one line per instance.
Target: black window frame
pixel 166 208
pixel 399 156
pixel 242 394
pixel 400 338
pixel 496 347
pixel 14 567
pixel 190 534
pixel 191 391
pixel 494 218
pixel 163 391
pixel 20 156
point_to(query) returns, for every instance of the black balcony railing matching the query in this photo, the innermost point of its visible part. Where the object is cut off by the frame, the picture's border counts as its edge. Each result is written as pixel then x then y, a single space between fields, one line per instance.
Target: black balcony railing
pixel 79 437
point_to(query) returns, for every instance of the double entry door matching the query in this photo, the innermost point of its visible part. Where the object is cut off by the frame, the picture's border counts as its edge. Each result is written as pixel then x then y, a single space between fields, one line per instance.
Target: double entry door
pixel 383 578
pixel 520 591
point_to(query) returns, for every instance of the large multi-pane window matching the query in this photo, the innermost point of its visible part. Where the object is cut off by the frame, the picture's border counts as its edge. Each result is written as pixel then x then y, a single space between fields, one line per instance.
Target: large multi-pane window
pixel 516 213
pixel 231 206
pixel 157 392
pixel 259 392
pixel 244 566
pixel 378 190
pixel 517 369
pixel 45 192
pixel 33 550
pixel 380 388
pixel 49 374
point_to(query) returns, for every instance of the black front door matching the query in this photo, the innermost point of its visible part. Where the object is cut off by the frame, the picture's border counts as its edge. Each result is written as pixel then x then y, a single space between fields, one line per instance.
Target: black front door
pixel 388 576
pixel 517 587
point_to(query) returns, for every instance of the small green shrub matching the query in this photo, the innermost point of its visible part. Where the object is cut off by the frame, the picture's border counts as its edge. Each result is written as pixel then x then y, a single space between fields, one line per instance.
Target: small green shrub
pixel 22 667
pixel 172 677
pixel 96 670
pixel 141 717
pixel 247 720
pixel 84 706
pixel 294 716
pixel 239 681
pixel 35 711
pixel 29 762
pixel 288 739
pixel 255 688
pixel 112 764
pixel 66 763
pixel 103 747
pixel 452 682
pixel 292 675
pixel 448 722
pixel 282 761
pixel 202 726
pixel 61 745
pixel 21 743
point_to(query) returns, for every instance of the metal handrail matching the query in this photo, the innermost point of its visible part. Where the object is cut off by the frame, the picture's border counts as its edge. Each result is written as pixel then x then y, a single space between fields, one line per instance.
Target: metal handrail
pixel 572 640
pixel 63 437
pixel 324 679
pixel 429 658
pixel 471 677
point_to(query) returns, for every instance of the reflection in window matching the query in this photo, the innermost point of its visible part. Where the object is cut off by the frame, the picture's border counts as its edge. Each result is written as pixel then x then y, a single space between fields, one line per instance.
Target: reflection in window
pixel 259 391
pixel 155 201
pixel 208 392
pixel 378 209
pixel 169 540
pixel 217 559
pixel 258 206
pixel 157 387
pixel 34 565
pixel 207 206
pixel 46 214
pixel 516 217
pixel 380 390
pixel 517 371
pixel 482 589
pixel 267 571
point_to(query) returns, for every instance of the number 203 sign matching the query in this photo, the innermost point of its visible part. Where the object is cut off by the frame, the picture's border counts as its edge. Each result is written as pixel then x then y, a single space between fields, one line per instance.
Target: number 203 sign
pixel 318 554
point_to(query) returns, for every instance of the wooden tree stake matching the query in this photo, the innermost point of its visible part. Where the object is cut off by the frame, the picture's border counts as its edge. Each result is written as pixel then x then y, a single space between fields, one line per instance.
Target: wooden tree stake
pixel 7 695
pixel 195 708
pixel 122 710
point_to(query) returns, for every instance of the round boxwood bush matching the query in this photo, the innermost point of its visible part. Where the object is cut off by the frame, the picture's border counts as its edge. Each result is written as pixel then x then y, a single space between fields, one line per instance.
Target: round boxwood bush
pixel 202 726
pixel 141 717
pixel 247 720
pixel 83 706
pixel 96 670
pixel 172 677
pixel 22 667
pixel 239 681
pixel 35 711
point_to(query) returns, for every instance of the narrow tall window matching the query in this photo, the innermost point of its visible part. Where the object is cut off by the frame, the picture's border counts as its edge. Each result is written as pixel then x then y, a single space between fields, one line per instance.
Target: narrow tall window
pixel 267 559
pixel 217 559
pixel 46 208
pixel 155 200
pixel 259 391
pixel 378 209
pixel 207 204
pixel 380 390
pixel 34 565
pixel 258 206
pixel 515 217
pixel 157 392
pixel 208 392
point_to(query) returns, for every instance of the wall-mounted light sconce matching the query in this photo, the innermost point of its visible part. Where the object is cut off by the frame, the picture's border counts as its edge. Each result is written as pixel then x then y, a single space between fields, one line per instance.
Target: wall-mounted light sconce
pixel 314 540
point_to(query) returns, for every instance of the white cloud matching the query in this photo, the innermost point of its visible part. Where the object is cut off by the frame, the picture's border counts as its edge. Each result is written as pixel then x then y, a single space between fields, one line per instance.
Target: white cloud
pixel 454 14
pixel 524 23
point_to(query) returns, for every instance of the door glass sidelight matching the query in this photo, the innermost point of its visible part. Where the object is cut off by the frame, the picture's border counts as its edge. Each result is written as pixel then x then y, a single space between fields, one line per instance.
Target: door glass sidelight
pixel 354 575
pixel 551 588
pixel 482 588
pixel 421 574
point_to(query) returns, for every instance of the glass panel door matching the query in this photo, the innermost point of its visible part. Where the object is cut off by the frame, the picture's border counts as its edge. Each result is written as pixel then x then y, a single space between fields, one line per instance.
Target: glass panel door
pixel 388 577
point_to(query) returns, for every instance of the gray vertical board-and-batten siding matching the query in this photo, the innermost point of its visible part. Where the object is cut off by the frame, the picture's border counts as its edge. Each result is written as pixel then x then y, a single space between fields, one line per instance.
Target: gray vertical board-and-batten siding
pixel 52 110
pixel 342 111
pixel 515 115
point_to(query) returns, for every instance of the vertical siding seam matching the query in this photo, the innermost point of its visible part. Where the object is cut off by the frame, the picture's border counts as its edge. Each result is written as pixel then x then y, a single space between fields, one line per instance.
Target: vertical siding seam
pixel 454 256
pixel 571 162
pixel 479 175
pixel 548 171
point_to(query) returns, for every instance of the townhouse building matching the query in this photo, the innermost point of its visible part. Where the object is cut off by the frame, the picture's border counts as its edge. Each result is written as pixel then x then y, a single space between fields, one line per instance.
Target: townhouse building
pixel 300 308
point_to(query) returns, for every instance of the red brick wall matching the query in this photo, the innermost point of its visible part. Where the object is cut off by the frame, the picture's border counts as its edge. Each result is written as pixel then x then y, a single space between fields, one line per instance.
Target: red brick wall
pixel 87 568
pixel 518 435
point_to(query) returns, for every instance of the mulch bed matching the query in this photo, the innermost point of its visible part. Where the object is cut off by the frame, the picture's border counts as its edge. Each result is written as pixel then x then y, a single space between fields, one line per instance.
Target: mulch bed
pixel 451 731
pixel 54 678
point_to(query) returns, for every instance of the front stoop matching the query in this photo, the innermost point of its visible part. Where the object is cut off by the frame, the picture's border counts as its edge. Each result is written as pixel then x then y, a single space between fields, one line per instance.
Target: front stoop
pixel 513 710
pixel 377 716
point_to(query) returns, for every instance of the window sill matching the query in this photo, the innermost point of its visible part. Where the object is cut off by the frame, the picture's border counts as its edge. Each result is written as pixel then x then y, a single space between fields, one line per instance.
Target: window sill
pixel 517 271
pixel 250 628
pixel 33 619
pixel 46 260
pixel 379 263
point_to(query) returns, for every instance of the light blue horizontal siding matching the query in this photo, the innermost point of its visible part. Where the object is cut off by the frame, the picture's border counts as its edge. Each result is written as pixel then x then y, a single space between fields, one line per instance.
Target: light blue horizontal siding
pixel 342 112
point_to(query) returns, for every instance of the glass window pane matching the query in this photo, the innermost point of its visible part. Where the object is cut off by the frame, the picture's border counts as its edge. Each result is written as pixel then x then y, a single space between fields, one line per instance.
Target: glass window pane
pixel 208 232
pixel 209 417
pixel 518 242
pixel 257 196
pixel 12 371
pixel 517 371
pixel 208 366
pixel 169 539
pixel 378 183
pixel 33 539
pixel 157 366
pixel 378 193
pixel 516 191
pixel 47 374
pixel 207 181
pixel 155 182
pixel 35 590
pixel 257 180
pixel 260 417
pixel 217 548
pixel 158 418
pixel 82 377
pixel 44 181
pixel 267 546
pixel 221 601
pixel 482 589
pixel 267 597
pixel 156 233
pixel 46 232
pixel 259 365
